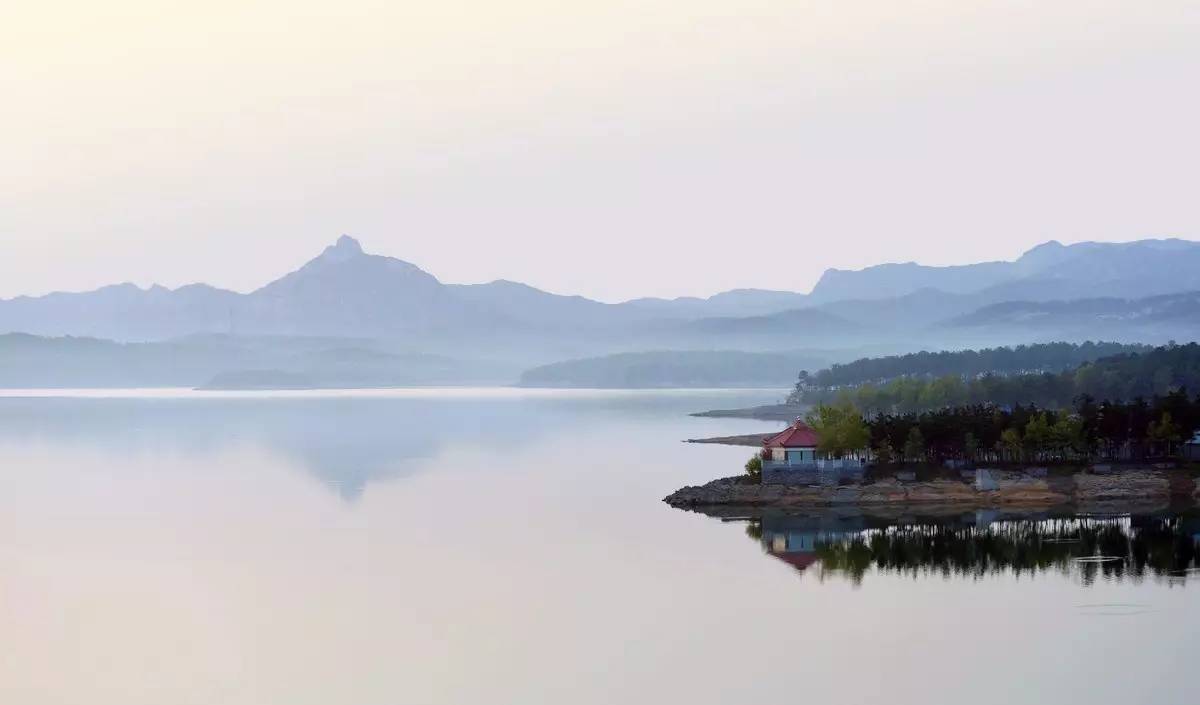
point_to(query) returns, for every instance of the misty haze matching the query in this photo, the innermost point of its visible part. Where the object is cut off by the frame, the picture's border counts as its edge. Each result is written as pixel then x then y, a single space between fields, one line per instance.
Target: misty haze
pixel 700 352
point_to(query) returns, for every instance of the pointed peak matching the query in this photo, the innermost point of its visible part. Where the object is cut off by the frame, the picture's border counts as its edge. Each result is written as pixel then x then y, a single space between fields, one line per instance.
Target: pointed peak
pixel 346 243
pixel 345 248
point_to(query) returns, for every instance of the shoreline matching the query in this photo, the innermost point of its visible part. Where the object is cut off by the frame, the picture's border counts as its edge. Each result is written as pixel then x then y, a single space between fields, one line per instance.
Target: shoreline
pixel 746 439
pixel 765 412
pixel 1011 489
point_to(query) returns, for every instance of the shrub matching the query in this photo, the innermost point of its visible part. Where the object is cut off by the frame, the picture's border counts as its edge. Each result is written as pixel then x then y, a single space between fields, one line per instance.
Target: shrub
pixel 754 469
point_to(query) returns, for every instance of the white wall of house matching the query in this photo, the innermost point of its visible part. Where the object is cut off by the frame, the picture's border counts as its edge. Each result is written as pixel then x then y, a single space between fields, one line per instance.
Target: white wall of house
pixel 781 454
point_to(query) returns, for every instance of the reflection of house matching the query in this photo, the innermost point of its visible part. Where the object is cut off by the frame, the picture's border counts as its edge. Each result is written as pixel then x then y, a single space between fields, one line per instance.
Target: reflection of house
pixel 794 539
pixel 1191 449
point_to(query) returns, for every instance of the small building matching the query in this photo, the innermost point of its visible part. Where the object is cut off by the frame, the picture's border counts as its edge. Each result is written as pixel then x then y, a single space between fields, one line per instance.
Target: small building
pixel 1191 449
pixel 790 457
pixel 795 445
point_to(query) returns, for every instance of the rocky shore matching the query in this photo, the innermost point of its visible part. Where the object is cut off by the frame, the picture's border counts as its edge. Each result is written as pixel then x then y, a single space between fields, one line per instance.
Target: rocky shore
pixel 1006 488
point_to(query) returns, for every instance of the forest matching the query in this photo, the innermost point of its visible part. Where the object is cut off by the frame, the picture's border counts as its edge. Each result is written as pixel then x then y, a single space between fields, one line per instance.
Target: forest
pixel 1141 429
pixel 1118 378
pixel 1041 357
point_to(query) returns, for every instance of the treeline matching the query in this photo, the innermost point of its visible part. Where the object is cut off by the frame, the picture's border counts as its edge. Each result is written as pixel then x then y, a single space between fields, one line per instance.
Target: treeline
pixel 1123 377
pixel 1042 357
pixel 1090 430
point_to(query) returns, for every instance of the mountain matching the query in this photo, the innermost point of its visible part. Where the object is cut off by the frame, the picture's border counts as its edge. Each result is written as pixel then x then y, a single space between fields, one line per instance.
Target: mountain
pixel 1149 318
pixel 534 307
pixel 342 292
pixel 123 312
pixel 893 280
pixel 347 292
pixel 382 306
pixel 805 328
pixel 736 302
pixel 912 311
pixel 1049 271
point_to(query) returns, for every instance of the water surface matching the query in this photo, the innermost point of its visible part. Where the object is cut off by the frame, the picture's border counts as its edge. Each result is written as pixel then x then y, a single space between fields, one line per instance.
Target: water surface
pixel 482 546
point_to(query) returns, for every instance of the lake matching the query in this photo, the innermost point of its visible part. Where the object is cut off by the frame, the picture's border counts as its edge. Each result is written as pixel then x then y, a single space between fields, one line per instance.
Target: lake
pixel 511 546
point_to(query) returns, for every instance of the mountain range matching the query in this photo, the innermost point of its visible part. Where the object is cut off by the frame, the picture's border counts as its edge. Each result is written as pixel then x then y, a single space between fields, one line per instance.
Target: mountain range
pixel 1053 291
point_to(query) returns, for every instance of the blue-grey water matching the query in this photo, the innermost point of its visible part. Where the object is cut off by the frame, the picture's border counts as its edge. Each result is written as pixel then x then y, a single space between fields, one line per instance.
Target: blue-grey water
pixel 503 546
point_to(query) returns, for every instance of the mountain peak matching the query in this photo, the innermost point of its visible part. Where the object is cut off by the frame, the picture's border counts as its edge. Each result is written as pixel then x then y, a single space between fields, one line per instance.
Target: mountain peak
pixel 345 248
pixel 1047 246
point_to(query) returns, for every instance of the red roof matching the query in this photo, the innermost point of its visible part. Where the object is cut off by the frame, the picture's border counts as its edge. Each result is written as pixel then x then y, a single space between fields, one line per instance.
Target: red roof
pixel 798 435
pixel 798 560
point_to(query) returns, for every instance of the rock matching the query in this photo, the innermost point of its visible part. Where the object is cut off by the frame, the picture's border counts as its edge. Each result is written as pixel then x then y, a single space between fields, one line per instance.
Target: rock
pixel 884 492
pixel 941 491
pixel 1031 492
pixel 846 495
pixel 1129 485
pixel 992 488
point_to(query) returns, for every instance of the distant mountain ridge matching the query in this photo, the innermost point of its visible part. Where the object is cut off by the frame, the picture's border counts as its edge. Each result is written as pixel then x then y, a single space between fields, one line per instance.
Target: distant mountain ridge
pixel 345 292
pixel 1093 313
pixel 1048 271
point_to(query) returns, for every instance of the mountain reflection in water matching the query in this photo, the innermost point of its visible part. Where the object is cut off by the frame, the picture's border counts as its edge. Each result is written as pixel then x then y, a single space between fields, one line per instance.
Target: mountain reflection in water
pixel 1086 547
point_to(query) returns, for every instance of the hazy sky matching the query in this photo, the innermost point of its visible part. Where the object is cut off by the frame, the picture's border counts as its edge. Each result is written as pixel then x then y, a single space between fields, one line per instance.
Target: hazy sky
pixel 601 147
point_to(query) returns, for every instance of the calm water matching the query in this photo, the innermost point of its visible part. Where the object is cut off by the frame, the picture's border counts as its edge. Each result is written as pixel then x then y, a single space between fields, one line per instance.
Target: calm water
pixel 500 546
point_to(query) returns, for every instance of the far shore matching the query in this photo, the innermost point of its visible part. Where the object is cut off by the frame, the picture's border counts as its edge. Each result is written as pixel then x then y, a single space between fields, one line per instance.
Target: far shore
pixel 745 439
pixel 766 412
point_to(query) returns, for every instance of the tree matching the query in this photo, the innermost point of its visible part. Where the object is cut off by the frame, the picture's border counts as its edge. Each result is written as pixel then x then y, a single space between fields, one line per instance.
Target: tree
pixel 1050 376
pixel 1038 438
pixel 970 446
pixel 803 384
pixel 1069 437
pixel 914 445
pixel 840 429
pixel 754 469
pixel 1109 429
pixel 1164 433
pixel 1010 444
pixel 884 454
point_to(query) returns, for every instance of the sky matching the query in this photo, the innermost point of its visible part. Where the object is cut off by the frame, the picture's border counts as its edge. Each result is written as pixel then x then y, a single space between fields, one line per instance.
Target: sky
pixel 608 148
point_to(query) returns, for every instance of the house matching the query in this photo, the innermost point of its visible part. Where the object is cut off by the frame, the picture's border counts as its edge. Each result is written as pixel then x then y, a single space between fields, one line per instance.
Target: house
pixel 1191 449
pixel 791 457
pixel 795 445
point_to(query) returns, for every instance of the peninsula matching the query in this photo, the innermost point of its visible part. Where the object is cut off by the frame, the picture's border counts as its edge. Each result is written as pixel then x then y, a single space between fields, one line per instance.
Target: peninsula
pixel 1029 439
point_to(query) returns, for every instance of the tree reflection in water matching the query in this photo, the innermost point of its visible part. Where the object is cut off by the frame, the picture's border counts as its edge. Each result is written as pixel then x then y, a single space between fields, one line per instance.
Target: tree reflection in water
pixel 972 546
